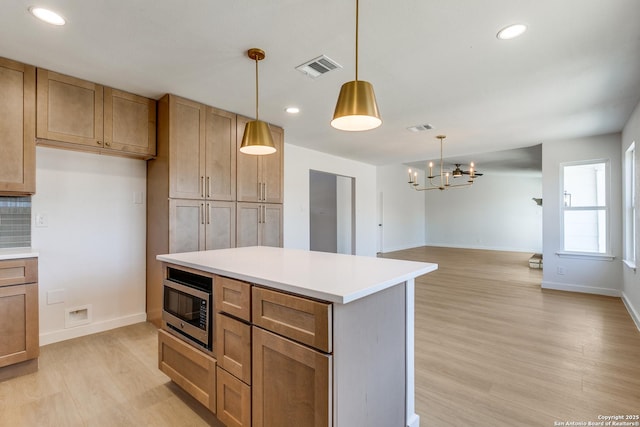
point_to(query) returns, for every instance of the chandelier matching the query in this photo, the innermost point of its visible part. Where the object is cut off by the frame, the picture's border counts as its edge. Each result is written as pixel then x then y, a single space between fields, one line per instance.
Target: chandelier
pixel 442 180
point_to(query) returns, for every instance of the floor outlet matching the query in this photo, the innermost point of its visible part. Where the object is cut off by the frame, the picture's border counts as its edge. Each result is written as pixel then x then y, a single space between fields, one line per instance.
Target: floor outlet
pixel 77 316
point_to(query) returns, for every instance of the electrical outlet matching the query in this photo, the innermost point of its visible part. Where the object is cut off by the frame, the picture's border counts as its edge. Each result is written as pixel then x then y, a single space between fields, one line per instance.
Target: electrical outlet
pixel 562 271
pixel 41 220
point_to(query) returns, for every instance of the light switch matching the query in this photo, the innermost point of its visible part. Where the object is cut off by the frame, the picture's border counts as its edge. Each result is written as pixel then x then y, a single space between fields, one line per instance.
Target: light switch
pixel 41 220
pixel 137 197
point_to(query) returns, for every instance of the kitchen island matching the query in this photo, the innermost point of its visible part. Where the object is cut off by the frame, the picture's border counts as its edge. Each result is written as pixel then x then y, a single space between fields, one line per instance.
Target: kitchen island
pixel 328 338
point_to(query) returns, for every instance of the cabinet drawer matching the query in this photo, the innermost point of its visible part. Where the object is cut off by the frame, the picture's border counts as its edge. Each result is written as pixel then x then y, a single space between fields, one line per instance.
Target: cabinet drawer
pixel 233 297
pixel 192 370
pixel 18 271
pixel 234 400
pixel 233 342
pixel 300 319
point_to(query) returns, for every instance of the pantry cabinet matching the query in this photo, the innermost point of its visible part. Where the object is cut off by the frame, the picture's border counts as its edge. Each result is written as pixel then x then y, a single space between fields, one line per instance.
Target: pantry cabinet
pixel 78 114
pixel 202 150
pixel 261 178
pixel 197 225
pixel 17 127
pixel 259 224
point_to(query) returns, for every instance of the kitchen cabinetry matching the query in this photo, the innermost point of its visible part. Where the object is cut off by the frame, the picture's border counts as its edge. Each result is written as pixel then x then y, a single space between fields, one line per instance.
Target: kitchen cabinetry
pixel 17 127
pixel 78 114
pixel 191 186
pixel 261 178
pixel 233 349
pixel 202 151
pixel 331 336
pixel 19 344
pixel 259 224
pixel 193 370
pixel 291 381
pixel 197 225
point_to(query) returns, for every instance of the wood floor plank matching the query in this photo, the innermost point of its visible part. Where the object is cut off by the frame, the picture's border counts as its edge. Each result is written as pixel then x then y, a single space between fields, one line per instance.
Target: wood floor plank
pixel 494 349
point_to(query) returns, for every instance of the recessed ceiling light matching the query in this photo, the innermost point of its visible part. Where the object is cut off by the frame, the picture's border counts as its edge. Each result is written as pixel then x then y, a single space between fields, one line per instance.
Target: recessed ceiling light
pixel 47 15
pixel 511 32
pixel 292 110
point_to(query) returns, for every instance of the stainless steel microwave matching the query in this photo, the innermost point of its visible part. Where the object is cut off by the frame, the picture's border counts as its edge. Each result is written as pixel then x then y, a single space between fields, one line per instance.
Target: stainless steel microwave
pixel 187 306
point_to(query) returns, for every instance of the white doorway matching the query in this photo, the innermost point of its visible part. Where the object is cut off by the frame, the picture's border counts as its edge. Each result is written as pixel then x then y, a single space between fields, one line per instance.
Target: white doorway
pixel 331 213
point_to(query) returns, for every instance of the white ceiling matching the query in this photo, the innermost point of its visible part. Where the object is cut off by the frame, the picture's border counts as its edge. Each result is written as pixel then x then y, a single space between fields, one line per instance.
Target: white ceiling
pixel 575 72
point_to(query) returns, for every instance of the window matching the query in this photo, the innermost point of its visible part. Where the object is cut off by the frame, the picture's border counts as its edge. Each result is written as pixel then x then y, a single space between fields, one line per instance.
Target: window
pixel 630 206
pixel 584 202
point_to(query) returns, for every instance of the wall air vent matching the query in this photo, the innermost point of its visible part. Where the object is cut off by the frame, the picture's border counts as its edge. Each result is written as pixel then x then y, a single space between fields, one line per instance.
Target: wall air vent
pixel 318 66
pixel 420 128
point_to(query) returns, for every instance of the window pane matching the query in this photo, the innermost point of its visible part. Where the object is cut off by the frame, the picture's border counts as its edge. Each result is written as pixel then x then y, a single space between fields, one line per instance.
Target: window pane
pixel 584 185
pixel 585 231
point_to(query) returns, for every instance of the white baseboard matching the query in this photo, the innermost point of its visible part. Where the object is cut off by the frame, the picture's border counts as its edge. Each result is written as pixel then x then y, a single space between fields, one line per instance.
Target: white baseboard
pixel 414 421
pixel 92 328
pixel 580 288
pixel 632 311
pixel 485 248
pixel 387 249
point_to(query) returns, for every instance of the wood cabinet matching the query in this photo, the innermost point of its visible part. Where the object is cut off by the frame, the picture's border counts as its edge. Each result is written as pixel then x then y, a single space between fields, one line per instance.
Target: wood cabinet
pixel 191 186
pixel 233 347
pixel 17 128
pixel 233 297
pixel 78 114
pixel 193 370
pixel 197 225
pixel 291 383
pixel 19 342
pixel 261 178
pixel 234 400
pixel 202 150
pixel 259 224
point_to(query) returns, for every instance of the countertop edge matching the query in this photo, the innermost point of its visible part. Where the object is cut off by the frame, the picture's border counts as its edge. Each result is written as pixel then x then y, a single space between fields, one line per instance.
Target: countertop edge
pixel 300 290
pixel 16 253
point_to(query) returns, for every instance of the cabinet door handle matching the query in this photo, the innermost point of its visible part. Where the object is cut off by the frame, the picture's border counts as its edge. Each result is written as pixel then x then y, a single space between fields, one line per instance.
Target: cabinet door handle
pixel 98 142
pixel 208 186
pixel 208 213
pixel 201 186
pixel 201 213
pixel 264 214
pixel 264 191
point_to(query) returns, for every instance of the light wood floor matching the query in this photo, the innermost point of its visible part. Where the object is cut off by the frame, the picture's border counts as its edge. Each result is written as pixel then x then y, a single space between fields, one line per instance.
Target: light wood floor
pixel 492 349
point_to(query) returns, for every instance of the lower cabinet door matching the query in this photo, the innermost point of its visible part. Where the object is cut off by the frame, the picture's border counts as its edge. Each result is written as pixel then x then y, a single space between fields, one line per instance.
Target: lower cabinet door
pixel 291 383
pixel 190 368
pixel 18 323
pixel 234 400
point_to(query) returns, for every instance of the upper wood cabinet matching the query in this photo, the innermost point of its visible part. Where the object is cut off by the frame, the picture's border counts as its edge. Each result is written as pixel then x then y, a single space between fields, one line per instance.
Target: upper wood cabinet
pixel 85 114
pixel 198 225
pixel 129 122
pixel 202 150
pixel 17 128
pixel 259 224
pixel 261 178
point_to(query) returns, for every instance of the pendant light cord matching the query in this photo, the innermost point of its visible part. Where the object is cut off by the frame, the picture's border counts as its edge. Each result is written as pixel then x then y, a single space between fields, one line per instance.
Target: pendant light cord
pixel 256 88
pixel 357 13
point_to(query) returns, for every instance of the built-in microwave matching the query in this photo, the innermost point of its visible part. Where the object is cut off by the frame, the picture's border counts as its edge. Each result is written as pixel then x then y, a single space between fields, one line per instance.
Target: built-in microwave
pixel 187 306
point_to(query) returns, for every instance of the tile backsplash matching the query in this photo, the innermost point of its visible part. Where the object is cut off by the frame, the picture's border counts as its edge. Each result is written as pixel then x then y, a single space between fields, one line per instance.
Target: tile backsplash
pixel 15 222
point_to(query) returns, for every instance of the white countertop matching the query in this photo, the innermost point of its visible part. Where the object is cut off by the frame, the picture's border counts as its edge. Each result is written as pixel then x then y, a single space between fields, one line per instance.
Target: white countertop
pixel 15 253
pixel 330 277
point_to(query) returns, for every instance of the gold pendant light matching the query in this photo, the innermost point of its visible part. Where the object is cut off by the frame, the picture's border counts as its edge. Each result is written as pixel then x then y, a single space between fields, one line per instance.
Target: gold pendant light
pixel 356 109
pixel 257 138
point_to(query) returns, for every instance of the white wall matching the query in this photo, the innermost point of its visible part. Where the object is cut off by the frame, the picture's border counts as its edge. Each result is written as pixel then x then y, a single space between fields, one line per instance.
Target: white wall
pixel 403 210
pixel 496 213
pixel 582 275
pixel 297 163
pixel 93 248
pixel 630 277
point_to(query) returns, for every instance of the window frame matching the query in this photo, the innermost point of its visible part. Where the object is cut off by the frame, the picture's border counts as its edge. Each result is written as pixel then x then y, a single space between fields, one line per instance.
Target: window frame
pixel 630 205
pixel 606 255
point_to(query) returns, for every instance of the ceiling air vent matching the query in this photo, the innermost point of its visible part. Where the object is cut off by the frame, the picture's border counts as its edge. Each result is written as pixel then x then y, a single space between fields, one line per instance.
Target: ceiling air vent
pixel 318 66
pixel 420 128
